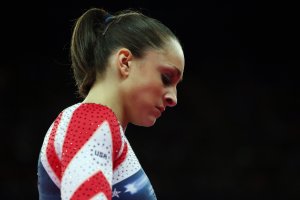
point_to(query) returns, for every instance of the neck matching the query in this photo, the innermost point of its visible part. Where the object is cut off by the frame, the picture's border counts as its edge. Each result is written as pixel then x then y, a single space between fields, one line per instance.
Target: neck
pixel 106 93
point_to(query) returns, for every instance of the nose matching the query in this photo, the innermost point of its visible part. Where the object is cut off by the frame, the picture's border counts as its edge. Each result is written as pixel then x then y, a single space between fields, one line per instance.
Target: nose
pixel 170 97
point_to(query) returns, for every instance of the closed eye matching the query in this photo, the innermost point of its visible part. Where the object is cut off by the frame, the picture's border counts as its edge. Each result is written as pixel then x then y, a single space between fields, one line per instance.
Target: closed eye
pixel 166 79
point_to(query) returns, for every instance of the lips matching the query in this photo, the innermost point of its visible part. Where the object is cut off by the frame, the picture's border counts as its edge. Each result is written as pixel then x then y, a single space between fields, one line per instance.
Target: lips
pixel 161 108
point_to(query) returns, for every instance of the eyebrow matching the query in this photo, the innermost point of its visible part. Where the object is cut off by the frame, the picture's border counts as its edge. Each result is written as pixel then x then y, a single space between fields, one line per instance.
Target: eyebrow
pixel 178 73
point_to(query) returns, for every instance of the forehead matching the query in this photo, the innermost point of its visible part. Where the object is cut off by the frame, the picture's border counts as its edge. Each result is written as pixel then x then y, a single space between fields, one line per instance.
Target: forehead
pixel 171 55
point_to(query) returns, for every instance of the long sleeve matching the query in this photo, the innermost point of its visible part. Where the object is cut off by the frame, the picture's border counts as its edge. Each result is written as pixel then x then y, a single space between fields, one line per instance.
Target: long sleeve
pixel 79 152
pixel 86 156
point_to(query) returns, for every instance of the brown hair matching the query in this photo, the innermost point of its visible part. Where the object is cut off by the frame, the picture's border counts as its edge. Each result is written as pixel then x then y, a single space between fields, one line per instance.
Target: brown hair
pixel 97 34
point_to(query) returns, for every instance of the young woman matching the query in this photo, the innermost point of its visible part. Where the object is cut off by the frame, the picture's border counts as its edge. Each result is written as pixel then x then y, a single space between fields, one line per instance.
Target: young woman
pixel 126 67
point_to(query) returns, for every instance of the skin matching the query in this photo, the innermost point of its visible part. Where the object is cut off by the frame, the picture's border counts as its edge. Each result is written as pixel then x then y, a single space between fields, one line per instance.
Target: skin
pixel 138 90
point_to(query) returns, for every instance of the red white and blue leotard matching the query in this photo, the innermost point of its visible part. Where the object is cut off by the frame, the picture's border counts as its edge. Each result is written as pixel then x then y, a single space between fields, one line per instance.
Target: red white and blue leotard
pixel 85 155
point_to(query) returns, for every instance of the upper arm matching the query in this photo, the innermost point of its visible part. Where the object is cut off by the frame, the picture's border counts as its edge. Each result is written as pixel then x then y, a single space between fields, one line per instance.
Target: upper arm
pixel 87 164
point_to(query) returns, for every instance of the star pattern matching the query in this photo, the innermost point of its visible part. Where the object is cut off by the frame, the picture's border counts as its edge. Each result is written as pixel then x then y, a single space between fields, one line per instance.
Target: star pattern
pixel 131 188
pixel 116 193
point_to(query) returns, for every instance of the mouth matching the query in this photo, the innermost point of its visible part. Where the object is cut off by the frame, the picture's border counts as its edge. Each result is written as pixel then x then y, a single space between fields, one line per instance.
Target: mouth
pixel 160 110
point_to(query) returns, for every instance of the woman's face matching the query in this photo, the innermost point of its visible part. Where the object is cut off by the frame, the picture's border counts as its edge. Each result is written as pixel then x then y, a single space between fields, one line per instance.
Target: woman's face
pixel 151 84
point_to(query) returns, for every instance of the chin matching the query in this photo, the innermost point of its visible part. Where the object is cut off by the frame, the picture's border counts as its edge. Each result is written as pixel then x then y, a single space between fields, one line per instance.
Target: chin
pixel 146 123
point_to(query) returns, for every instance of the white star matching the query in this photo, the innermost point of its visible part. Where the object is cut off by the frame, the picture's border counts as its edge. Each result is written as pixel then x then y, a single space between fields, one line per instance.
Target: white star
pixel 131 188
pixel 116 193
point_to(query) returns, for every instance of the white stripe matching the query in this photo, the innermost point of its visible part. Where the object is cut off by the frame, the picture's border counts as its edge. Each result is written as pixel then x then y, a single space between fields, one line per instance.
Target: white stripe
pixel 131 164
pixel 44 159
pixel 88 161
pixel 62 129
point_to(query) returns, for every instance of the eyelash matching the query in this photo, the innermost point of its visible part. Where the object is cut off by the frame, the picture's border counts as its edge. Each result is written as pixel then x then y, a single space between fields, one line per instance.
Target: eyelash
pixel 166 79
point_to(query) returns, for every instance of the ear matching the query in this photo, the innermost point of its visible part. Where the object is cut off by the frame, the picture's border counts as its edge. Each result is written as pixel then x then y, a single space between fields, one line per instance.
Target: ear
pixel 124 58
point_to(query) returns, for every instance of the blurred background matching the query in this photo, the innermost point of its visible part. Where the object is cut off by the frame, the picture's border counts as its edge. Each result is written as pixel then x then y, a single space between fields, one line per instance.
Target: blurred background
pixel 235 131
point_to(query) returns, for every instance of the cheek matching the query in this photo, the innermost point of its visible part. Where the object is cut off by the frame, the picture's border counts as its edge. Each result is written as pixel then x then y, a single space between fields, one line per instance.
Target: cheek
pixel 150 90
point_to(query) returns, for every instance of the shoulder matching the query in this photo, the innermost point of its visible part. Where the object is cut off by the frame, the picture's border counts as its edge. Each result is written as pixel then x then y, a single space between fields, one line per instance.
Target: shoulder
pixel 91 115
pixel 93 111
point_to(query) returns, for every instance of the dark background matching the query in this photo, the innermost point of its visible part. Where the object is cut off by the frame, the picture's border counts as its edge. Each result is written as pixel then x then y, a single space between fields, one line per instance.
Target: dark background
pixel 235 131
